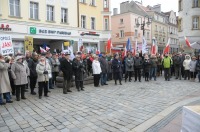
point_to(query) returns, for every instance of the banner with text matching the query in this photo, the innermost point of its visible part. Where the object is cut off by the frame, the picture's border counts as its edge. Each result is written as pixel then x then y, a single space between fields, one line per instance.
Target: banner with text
pixel 6 46
pixel 28 42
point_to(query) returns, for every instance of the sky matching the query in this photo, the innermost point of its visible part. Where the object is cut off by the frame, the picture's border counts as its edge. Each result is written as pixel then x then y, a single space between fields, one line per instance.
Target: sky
pixel 166 5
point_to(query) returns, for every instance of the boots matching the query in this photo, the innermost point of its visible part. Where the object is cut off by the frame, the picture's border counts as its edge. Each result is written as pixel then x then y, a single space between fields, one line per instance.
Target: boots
pixel 115 82
pixel 120 82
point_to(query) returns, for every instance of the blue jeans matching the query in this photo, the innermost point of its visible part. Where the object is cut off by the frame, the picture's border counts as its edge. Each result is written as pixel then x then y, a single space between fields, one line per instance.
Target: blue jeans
pixel 7 96
pixel 153 73
pixel 103 78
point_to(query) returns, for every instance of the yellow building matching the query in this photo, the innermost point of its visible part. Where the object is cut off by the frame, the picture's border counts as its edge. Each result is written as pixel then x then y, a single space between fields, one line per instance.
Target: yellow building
pixel 50 22
pixel 94 16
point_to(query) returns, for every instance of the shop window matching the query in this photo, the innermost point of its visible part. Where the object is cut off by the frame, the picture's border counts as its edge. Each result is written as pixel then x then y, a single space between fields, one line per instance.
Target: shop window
pixel 50 13
pixel 34 10
pixel 92 23
pixel 14 8
pixel 83 21
pixel 64 15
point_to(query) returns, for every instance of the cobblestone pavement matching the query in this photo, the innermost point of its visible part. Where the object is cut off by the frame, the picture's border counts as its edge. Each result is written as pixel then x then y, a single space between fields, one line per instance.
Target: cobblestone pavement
pixel 108 108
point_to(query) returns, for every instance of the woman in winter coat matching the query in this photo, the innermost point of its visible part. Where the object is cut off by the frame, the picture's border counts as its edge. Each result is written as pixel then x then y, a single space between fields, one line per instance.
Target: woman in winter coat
pixel 117 69
pixel 5 88
pixel 129 63
pixel 198 67
pixel 186 65
pixel 43 69
pixel 20 72
pixel 78 68
pixel 96 67
pixel 193 63
pixel 153 61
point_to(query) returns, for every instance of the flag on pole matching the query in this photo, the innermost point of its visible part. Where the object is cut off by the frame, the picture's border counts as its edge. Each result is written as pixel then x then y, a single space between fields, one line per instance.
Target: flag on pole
pixel 62 47
pixel 144 46
pixel 47 48
pixel 153 47
pixel 128 45
pixel 109 44
pixel 167 47
pixel 42 50
pixel 135 48
pixel 187 42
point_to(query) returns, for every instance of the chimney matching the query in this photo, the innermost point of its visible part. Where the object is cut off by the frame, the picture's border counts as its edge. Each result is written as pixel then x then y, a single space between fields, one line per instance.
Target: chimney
pixel 115 11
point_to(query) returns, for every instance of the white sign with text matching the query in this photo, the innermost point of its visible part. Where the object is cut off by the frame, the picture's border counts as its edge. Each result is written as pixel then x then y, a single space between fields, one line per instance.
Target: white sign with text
pixel 6 46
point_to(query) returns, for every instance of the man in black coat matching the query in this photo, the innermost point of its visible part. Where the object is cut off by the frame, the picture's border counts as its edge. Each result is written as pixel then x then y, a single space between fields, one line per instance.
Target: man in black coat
pixel 138 66
pixel 67 69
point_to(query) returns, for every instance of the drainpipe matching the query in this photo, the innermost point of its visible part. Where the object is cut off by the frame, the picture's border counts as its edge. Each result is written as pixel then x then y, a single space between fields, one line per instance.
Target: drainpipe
pixel 78 12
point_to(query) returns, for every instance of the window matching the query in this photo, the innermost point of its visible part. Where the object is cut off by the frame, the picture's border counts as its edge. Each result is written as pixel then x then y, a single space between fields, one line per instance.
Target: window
pixel 83 1
pixel 92 23
pixel 83 21
pixel 136 33
pixel 195 3
pixel 14 7
pixel 163 29
pixel 163 40
pixel 121 21
pixel 180 8
pixel 34 10
pixel 105 3
pixel 180 24
pixel 92 3
pixel 148 35
pixel 156 27
pixel 121 33
pixel 64 15
pixel 50 13
pixel 195 23
pixel 106 23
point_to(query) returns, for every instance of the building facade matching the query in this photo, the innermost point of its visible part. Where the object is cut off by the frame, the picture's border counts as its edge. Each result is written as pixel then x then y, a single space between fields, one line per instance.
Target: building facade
pixel 159 27
pixel 189 22
pixel 171 19
pixel 124 26
pixel 94 18
pixel 49 22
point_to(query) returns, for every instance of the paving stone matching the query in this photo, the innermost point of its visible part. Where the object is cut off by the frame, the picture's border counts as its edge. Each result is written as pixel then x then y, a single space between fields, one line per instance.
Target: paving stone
pixel 40 129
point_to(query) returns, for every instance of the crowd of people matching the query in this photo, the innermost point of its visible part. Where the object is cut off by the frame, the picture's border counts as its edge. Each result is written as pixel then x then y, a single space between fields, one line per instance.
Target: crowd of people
pixel 19 73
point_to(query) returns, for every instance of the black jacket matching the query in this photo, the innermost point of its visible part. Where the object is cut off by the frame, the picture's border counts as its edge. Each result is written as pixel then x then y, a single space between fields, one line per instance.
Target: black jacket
pixel 117 66
pixel 138 63
pixel 32 66
pixel 67 69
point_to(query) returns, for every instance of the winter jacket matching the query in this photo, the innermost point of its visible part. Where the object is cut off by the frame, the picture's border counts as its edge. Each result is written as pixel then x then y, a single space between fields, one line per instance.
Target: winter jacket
pixel 117 66
pixel 79 70
pixel 146 66
pixel 67 69
pixel 138 62
pixel 186 63
pixel 129 63
pixel 177 61
pixel 167 62
pixel 153 62
pixel 4 78
pixel 32 66
pixel 198 66
pixel 40 68
pixel 193 65
pixel 104 64
pixel 20 73
pixel 96 67
pixel 55 65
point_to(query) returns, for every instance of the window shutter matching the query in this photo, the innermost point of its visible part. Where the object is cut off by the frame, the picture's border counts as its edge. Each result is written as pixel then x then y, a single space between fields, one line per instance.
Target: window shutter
pixel 198 3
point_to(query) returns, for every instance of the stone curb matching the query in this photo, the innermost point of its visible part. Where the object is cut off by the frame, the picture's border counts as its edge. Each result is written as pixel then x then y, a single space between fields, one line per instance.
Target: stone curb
pixel 150 122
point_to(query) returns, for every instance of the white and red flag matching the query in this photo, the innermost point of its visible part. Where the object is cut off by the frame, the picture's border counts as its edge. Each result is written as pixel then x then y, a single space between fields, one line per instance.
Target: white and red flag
pixel 109 44
pixel 42 50
pixel 167 47
pixel 153 48
pixel 47 48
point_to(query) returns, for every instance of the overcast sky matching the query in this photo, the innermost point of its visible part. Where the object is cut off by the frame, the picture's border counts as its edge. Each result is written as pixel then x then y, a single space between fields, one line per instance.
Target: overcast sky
pixel 166 5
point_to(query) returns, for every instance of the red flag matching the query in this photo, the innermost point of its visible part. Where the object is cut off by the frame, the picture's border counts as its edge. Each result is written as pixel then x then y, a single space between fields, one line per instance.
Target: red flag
pixel 135 48
pixel 153 48
pixel 97 52
pixel 42 50
pixel 47 48
pixel 167 47
pixel 187 42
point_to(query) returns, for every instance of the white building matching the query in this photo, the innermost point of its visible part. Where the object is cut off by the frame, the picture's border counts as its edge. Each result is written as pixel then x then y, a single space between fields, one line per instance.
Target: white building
pixel 189 21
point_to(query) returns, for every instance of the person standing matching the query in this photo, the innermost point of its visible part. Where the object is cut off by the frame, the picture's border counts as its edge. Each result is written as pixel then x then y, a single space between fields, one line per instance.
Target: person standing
pixel 129 63
pixel 96 70
pixel 177 61
pixel 104 68
pixel 42 70
pixel 55 67
pixel 138 66
pixel 20 72
pixel 198 67
pixel 146 67
pixel 167 62
pixel 49 60
pixel 32 63
pixel 110 74
pixel 117 69
pixel 186 65
pixel 78 68
pixel 67 69
pixel 159 66
pixel 153 71
pixel 5 88
pixel 193 63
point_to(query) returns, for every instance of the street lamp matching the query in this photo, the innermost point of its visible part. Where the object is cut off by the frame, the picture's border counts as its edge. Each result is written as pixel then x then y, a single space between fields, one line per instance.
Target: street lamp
pixel 143 22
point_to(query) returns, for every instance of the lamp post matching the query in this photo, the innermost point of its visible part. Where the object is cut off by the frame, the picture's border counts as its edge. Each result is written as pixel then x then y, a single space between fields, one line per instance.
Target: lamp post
pixel 143 22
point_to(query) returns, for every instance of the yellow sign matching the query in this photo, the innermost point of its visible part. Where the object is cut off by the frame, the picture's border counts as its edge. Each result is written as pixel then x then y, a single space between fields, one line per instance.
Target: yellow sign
pixel 28 42
pixel 66 43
